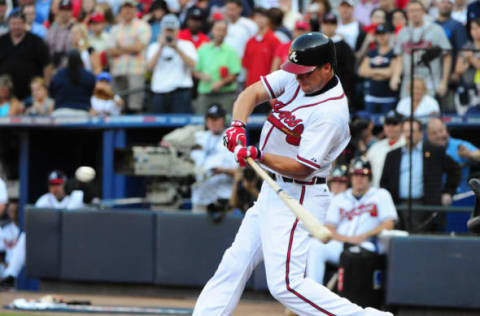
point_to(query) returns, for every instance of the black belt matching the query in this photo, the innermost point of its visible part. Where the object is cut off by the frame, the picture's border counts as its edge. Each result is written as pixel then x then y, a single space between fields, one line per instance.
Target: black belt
pixel 315 180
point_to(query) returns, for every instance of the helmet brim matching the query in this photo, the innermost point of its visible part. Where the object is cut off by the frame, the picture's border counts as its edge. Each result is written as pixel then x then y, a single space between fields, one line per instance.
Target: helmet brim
pixel 297 69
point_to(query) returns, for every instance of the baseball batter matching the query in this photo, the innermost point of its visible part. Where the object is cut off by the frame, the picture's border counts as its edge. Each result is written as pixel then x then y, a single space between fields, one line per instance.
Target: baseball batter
pixel 306 130
pixel 355 216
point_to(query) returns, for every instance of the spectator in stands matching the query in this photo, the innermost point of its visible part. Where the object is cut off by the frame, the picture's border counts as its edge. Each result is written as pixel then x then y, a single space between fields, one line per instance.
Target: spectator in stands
pixel 98 37
pixel 423 104
pixel 377 67
pixel 193 31
pixel 355 217
pixel 362 12
pixel 462 151
pixel 377 17
pixel 362 132
pixel 349 28
pixel 392 128
pixel 12 242
pixel 280 31
pixel 106 10
pixel 72 87
pixel 258 56
pixel 466 71
pixel 9 104
pixel 338 180
pixel 56 198
pixel 31 25
pixel 399 21
pixel 86 11
pixel 429 165
pixel 23 56
pixel 390 8
pixel 240 29
pixel 171 62
pixel 90 57
pixel 3 17
pixel 104 102
pixel 316 11
pixel 460 11
pixel 422 34
pixel 345 67
pixel 158 10
pixel 128 40
pixel 457 36
pixel 59 36
pixel 245 189
pixel 291 14
pixel 42 104
pixel 281 53
pixel 214 185
pixel 217 69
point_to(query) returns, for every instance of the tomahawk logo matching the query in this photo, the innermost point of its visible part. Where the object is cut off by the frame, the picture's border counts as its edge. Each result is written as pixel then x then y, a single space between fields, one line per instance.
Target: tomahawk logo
pixel 293 56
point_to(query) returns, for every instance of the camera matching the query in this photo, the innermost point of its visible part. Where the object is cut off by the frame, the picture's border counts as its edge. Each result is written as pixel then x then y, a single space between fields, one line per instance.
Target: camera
pixel 169 38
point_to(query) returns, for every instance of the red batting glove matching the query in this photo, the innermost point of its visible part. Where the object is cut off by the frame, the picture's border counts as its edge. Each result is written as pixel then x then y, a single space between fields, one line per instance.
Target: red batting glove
pixel 235 135
pixel 241 154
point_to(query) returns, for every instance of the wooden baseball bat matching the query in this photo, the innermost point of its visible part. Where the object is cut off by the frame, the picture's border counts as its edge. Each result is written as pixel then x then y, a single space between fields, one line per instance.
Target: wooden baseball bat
pixel 312 224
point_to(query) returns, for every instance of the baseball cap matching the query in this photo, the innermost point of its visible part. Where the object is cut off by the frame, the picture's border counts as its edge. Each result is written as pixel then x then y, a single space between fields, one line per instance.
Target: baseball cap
pixel 65 5
pixel 104 76
pixel 361 166
pixel 382 29
pixel 170 22
pixel 349 2
pixel 339 173
pixel 97 18
pixel 330 18
pixel 197 14
pixel 393 118
pixel 215 111
pixel 56 177
pixel 302 25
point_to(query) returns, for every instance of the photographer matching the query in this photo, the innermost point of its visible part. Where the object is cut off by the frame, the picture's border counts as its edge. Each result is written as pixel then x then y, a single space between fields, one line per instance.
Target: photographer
pixel 246 186
pixel 171 61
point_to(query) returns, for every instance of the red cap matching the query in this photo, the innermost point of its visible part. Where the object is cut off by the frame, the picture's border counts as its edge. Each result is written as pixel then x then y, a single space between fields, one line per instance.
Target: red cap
pixel 302 25
pixel 97 18
pixel 218 16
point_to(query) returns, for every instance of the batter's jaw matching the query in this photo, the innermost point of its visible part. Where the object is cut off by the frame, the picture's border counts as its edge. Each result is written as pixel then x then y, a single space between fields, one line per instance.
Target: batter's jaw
pixel 297 69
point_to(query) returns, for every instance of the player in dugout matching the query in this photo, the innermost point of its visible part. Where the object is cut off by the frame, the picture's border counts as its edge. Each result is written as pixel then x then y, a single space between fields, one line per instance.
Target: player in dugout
pixel 355 217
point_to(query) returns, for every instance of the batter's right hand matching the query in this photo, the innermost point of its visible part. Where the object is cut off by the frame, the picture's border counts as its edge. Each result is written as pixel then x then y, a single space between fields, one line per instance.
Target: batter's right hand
pixel 235 135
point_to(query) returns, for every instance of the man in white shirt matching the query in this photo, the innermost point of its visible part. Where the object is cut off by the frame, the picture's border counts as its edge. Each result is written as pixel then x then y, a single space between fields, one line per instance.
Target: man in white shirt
pixel 349 28
pixel 392 127
pixel 240 29
pixel 56 197
pixel 217 164
pixel 171 61
pixel 12 242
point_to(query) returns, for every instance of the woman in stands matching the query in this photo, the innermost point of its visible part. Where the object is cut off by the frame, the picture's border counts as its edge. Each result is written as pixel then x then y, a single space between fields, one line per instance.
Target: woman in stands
pixel 9 104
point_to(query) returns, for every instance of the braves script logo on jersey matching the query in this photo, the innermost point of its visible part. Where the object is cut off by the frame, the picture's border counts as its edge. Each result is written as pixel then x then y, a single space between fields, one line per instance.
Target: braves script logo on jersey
pixel 359 210
pixel 286 122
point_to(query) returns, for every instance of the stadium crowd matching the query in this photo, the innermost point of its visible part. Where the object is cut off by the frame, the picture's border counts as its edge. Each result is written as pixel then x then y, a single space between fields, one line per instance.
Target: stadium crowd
pixel 107 57
pixel 74 57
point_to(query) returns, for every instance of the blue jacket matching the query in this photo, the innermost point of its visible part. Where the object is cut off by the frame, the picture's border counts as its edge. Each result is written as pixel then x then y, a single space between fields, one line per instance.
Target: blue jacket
pixel 70 95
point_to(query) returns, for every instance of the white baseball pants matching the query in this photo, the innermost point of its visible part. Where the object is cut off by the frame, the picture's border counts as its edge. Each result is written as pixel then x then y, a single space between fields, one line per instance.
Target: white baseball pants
pixel 271 231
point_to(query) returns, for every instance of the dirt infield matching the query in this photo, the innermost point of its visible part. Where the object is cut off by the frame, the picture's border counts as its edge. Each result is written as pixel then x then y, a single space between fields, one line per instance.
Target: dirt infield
pixel 247 306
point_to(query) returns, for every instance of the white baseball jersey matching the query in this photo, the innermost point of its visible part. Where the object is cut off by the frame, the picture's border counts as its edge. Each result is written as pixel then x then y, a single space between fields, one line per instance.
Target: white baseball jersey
pixel 314 131
pixel 72 201
pixel 311 129
pixel 211 187
pixel 353 216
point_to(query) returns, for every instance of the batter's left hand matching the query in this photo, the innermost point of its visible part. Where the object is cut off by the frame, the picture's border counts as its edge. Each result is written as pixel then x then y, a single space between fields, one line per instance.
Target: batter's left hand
pixel 242 153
